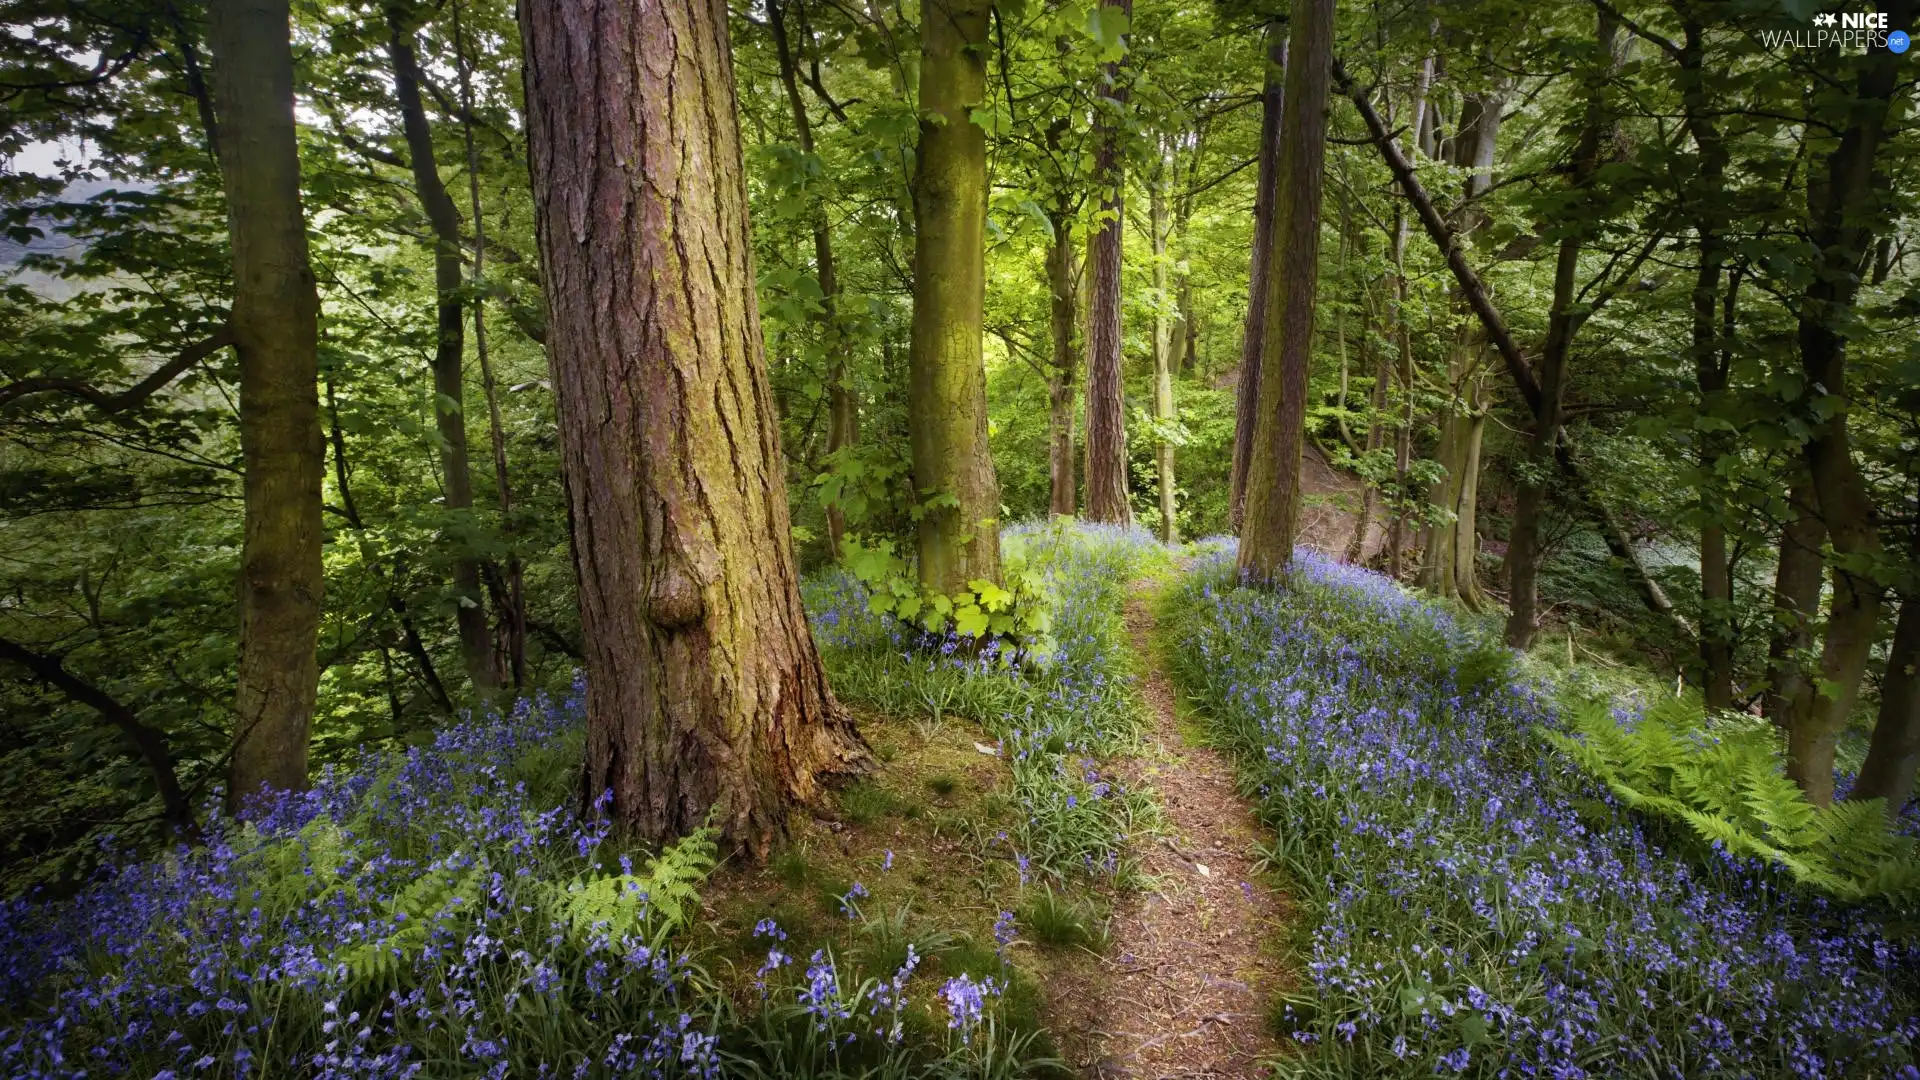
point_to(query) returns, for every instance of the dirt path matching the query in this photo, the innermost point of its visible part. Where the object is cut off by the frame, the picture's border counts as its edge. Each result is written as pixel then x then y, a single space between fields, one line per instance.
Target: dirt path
pixel 1183 988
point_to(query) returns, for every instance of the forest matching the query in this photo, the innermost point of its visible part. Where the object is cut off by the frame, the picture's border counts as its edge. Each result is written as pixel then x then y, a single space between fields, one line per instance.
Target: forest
pixel 959 538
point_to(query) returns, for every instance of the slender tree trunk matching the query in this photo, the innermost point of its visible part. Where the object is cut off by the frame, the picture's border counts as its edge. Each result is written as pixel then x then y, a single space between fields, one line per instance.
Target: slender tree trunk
pixel 1106 400
pixel 1563 322
pixel 948 405
pixel 1843 197
pixel 1475 293
pixel 513 611
pixel 449 382
pixel 1273 479
pixel 1893 752
pixel 1796 606
pixel 1162 346
pixel 275 322
pixel 1708 211
pixel 706 699
pixel 1062 318
pixel 843 408
pixel 1403 427
pixel 1419 137
pixel 1449 565
pixel 1376 430
pixel 1246 405
pixel 1062 296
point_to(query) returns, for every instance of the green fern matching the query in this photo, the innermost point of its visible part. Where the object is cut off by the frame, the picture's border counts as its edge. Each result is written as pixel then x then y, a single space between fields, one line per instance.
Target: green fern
pixel 1725 784
pixel 443 892
pixel 651 905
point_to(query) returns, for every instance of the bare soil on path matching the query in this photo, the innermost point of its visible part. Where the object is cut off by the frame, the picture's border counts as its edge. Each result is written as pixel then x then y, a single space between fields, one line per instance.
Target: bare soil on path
pixel 1183 987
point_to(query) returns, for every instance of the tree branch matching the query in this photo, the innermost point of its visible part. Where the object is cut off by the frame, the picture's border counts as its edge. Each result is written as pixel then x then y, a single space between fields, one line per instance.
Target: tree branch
pixel 148 742
pixel 111 402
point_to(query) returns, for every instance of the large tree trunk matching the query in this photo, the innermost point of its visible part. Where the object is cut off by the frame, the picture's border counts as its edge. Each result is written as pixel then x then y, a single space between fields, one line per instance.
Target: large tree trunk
pixel 276 311
pixel 706 700
pixel 947 409
pixel 1796 605
pixel 1162 347
pixel 449 383
pixel 1843 201
pixel 1893 753
pixel 1106 400
pixel 1246 402
pixel 1563 322
pixel 513 605
pixel 1273 478
pixel 843 408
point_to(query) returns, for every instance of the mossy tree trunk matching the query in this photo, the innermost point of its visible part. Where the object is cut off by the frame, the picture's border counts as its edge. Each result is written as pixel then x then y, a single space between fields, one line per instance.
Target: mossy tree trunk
pixel 1273 476
pixel 1106 398
pixel 705 693
pixel 449 353
pixel 1246 401
pixel 275 320
pixel 959 540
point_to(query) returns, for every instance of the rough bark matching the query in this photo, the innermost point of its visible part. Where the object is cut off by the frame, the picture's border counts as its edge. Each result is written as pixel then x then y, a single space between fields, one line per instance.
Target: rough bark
pixel 947 405
pixel 1893 751
pixel 1842 196
pixel 1246 404
pixel 1273 476
pixel 1162 349
pixel 843 408
pixel 1796 605
pixel 449 353
pixel 706 699
pixel 1106 403
pixel 275 322
pixel 1536 485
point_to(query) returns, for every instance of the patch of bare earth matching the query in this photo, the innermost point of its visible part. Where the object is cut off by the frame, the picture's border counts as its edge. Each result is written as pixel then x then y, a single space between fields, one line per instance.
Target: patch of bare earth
pixel 1182 989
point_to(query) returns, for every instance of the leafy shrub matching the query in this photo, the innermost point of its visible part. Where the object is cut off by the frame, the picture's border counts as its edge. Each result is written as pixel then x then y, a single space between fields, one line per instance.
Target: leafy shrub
pixel 1056 713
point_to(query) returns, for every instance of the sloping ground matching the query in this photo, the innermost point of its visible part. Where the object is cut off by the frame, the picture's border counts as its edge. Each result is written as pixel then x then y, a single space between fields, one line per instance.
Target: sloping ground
pixel 1330 509
pixel 1473 903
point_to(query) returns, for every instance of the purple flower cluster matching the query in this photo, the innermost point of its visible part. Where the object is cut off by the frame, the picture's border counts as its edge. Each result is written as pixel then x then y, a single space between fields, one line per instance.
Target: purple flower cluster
pixel 1483 907
pixel 399 913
